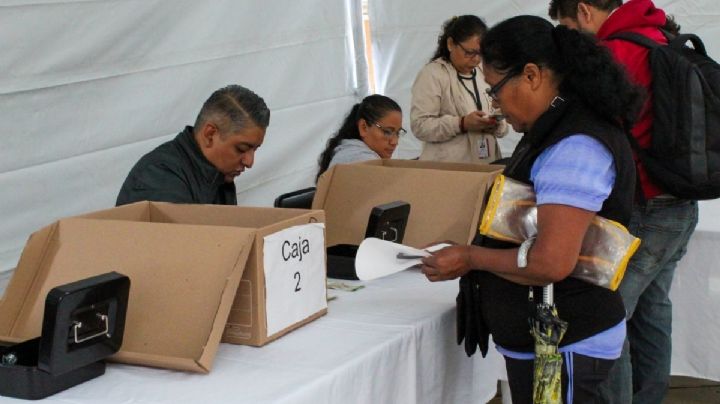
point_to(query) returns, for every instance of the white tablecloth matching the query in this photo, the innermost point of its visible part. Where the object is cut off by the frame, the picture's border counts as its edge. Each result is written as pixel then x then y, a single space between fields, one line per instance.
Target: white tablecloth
pixel 391 342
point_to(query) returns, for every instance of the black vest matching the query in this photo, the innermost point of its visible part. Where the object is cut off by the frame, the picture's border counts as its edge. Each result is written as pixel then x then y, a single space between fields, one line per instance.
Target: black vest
pixel 568 118
pixel 501 307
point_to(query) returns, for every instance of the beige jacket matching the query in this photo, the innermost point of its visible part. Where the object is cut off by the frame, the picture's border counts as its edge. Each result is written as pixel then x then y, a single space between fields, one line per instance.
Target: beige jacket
pixel 439 100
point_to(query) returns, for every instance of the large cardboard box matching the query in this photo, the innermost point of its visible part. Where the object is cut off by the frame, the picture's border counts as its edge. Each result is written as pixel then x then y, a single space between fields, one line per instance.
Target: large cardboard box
pixel 446 199
pixel 251 317
pixel 185 263
pixel 261 313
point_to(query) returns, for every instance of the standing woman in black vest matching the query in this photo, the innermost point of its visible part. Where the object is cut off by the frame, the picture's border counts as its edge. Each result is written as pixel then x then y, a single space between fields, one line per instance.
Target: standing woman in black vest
pixel 566 94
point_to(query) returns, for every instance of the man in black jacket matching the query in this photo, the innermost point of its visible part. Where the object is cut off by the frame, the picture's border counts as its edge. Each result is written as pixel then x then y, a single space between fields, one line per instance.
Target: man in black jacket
pixel 200 164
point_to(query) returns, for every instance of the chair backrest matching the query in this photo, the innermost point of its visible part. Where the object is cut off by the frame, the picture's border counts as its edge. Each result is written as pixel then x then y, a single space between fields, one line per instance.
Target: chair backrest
pixel 300 199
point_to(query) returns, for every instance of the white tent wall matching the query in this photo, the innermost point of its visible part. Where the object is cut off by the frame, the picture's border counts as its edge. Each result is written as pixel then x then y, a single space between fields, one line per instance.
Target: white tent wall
pixel 405 32
pixel 89 86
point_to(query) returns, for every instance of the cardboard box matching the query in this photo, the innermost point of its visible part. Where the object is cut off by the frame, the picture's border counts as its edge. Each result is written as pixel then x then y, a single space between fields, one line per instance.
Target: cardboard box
pixel 446 199
pixel 247 323
pixel 185 263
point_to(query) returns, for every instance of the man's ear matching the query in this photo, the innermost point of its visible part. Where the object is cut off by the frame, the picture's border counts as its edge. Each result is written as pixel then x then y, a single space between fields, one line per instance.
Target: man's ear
pixel 584 13
pixel 207 134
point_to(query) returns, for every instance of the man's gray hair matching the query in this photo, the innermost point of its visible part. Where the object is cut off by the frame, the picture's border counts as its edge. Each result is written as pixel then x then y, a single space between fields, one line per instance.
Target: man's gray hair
pixel 234 108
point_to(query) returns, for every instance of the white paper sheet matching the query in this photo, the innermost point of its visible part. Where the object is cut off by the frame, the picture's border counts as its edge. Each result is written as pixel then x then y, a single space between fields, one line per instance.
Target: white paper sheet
pixel 294 261
pixel 377 258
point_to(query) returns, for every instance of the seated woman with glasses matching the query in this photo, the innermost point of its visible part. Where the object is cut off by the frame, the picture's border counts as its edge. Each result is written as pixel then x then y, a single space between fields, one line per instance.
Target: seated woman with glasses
pixel 450 112
pixel 572 102
pixel 370 131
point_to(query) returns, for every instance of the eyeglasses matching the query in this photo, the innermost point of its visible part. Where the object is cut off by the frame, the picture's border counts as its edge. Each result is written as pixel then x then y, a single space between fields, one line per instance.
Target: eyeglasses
pixel 389 132
pixel 468 53
pixel 494 90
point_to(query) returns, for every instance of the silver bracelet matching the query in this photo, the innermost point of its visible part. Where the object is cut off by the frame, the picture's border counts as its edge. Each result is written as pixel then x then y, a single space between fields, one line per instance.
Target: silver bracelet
pixel 522 257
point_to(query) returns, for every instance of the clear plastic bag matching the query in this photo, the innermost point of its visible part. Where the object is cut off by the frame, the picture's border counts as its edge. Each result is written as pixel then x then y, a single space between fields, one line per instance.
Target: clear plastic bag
pixel 511 215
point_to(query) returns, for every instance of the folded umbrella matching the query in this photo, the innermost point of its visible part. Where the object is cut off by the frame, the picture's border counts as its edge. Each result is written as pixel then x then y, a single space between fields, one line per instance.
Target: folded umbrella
pixel 547 329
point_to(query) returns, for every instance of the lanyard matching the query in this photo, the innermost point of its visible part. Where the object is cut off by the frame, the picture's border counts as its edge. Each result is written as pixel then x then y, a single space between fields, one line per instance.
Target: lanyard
pixel 476 96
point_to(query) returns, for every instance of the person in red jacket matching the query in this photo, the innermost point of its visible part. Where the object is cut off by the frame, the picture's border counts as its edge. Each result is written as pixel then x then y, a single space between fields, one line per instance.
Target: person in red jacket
pixel 662 222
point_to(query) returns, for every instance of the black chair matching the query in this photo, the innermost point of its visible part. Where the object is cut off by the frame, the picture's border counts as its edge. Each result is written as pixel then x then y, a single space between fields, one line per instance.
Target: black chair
pixel 300 199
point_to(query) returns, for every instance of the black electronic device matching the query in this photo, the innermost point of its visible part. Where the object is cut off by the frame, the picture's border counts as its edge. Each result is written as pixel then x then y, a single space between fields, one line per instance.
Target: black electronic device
pixel 83 324
pixel 387 222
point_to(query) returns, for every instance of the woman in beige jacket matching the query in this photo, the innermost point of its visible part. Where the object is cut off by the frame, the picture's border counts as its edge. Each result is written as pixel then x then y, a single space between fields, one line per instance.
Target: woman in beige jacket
pixel 451 111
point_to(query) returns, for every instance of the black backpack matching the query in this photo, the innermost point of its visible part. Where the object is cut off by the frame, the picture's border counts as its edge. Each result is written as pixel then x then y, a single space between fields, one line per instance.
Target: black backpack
pixel 684 154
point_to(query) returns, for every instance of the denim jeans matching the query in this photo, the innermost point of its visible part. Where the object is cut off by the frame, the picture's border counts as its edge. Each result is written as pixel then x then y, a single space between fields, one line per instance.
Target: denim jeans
pixel 642 373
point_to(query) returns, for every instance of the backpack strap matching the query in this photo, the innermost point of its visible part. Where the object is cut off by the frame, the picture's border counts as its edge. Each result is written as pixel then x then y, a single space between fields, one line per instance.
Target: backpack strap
pixel 679 42
pixel 646 42
pixel 635 38
pixel 676 42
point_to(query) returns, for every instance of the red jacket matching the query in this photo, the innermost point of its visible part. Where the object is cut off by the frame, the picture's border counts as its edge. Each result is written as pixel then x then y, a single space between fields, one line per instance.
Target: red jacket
pixel 643 17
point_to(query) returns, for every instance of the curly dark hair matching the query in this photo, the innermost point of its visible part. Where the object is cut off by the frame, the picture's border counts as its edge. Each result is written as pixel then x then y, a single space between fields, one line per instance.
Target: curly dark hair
pixel 583 68
pixel 372 108
pixel 459 29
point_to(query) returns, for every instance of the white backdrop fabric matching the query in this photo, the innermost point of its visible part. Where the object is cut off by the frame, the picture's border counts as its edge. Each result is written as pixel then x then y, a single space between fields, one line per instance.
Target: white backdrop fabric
pixel 695 294
pixel 89 86
pixel 405 36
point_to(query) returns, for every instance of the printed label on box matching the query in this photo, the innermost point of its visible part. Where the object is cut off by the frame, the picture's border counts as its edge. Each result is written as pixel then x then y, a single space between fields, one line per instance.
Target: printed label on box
pixel 294 261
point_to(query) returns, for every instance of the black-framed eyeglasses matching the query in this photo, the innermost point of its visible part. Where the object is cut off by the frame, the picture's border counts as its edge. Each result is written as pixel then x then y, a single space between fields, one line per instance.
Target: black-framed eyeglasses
pixel 389 132
pixel 495 90
pixel 468 53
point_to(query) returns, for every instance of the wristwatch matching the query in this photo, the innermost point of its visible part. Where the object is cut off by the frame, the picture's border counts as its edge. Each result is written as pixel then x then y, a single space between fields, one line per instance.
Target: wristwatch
pixel 523 252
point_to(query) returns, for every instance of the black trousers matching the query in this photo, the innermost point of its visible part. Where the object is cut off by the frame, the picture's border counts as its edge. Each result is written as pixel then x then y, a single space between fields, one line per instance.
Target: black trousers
pixel 585 376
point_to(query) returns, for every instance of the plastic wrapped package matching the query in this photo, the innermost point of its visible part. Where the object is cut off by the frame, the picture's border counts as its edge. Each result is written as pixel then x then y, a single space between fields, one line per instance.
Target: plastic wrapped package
pixel 511 212
pixel 511 215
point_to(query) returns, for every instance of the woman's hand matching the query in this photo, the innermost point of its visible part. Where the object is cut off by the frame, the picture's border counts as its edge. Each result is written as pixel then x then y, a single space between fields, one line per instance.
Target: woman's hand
pixel 477 121
pixel 448 263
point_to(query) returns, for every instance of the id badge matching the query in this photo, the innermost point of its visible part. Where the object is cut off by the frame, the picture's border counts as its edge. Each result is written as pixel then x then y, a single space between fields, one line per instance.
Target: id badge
pixel 483 148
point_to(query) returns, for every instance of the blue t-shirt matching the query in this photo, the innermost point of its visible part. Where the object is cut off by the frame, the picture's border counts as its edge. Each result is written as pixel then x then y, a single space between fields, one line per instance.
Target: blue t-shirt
pixel 578 171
